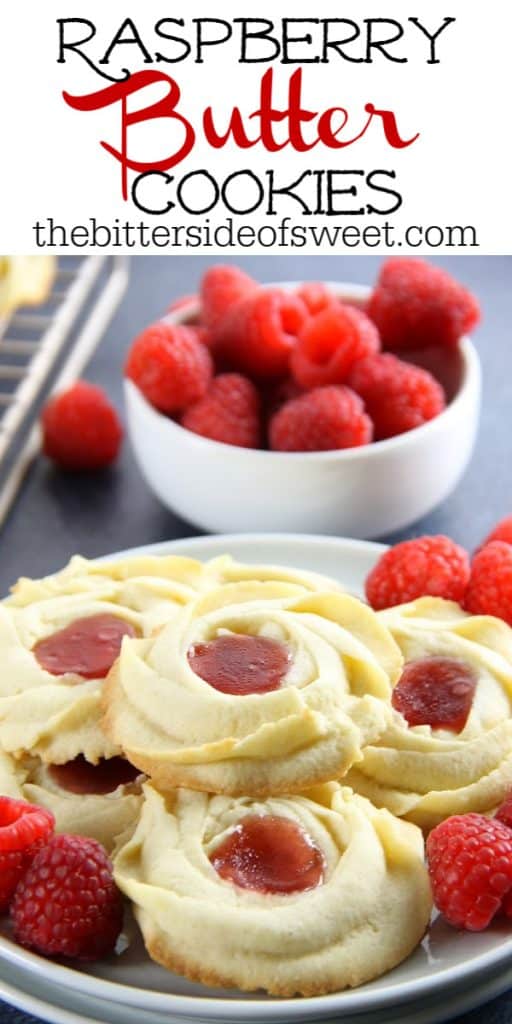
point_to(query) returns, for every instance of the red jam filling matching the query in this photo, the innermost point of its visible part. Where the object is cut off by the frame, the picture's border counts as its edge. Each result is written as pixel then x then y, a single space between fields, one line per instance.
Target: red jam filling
pixel 269 854
pixel 79 776
pixel 239 664
pixel 437 692
pixel 87 647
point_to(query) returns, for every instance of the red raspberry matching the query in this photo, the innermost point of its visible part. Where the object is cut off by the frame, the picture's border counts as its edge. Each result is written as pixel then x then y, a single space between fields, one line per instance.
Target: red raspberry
pixel 434 566
pixel 330 344
pixel 415 304
pixel 258 334
pixel 229 412
pixel 170 366
pixel 323 419
pixel 489 589
pixel 23 828
pixel 68 903
pixel 504 812
pixel 81 429
pixel 221 288
pixel 502 531
pixel 397 396
pixel 316 296
pixel 470 865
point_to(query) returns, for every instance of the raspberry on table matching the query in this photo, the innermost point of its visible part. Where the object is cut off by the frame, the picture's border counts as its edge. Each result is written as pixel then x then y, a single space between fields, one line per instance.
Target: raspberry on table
pixel 321 420
pixel 469 860
pixel 329 345
pixel 81 429
pixel 68 904
pixel 426 566
pixel 415 304
pixel 489 589
pixel 221 288
pixel 397 395
pixel 24 828
pixel 502 531
pixel 229 412
pixel 257 335
pixel 316 296
pixel 170 365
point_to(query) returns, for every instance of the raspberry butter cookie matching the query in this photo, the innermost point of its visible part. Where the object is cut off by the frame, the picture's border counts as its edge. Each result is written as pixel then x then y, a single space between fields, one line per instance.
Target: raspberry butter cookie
pixel 449 747
pixel 297 895
pixel 254 688
pixel 59 638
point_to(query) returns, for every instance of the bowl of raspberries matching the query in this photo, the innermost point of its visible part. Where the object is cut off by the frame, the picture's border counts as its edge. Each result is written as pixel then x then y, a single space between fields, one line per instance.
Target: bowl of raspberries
pixel 307 406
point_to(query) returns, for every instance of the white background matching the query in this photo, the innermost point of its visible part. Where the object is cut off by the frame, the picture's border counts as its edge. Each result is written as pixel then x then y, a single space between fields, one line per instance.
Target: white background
pixel 458 172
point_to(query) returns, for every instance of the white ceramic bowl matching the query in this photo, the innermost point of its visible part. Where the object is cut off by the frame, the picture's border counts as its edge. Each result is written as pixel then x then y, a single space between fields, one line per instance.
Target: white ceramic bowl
pixel 358 492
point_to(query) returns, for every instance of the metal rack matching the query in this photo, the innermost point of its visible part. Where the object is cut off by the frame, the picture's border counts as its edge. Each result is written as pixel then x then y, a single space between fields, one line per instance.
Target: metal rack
pixel 32 341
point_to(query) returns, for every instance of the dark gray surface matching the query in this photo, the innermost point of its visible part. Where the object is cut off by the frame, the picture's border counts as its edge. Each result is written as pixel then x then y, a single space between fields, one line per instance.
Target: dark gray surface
pixel 57 514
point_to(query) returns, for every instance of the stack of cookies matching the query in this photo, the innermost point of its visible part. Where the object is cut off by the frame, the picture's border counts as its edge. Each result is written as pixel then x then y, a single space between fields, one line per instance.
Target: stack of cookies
pixel 232 733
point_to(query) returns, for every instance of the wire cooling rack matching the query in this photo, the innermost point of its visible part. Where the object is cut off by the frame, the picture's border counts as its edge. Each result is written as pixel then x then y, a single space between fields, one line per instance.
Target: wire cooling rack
pixel 32 344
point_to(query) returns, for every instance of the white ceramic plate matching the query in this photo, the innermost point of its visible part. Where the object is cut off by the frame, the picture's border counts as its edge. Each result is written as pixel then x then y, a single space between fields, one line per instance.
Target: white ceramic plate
pixel 450 968
pixel 66 1007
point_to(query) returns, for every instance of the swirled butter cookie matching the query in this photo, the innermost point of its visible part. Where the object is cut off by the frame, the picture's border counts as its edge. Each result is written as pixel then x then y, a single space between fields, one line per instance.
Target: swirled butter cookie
pixel 449 747
pixel 59 637
pixel 153 585
pixel 254 688
pixel 101 801
pixel 298 895
pixel 225 569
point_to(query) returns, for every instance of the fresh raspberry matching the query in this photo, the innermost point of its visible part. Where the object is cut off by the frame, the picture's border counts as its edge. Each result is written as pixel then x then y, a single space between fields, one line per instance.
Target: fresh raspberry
pixel 258 334
pixel 433 566
pixel 470 865
pixel 397 396
pixel 229 412
pixel 316 296
pixel 23 828
pixel 330 344
pixel 415 304
pixel 81 429
pixel 323 419
pixel 170 366
pixel 68 903
pixel 502 531
pixel 221 288
pixel 489 589
pixel 504 812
